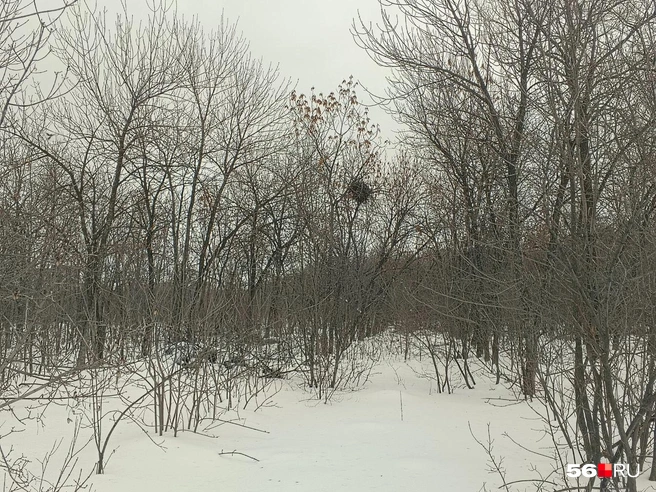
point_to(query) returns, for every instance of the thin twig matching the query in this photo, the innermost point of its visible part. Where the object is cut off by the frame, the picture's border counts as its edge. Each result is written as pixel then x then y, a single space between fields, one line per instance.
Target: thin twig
pixel 238 424
pixel 529 480
pixel 232 453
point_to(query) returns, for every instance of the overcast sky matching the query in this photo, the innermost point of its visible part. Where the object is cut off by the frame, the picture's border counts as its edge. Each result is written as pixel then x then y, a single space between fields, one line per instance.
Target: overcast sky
pixel 310 40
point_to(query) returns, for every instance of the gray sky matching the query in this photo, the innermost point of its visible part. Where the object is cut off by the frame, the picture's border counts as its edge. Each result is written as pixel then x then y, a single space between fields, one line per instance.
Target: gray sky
pixel 309 40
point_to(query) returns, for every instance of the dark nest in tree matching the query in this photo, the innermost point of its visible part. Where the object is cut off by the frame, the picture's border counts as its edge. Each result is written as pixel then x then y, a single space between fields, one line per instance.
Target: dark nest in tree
pixel 359 191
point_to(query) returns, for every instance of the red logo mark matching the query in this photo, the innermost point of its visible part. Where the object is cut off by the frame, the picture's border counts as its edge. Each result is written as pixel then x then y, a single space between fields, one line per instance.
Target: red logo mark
pixel 604 470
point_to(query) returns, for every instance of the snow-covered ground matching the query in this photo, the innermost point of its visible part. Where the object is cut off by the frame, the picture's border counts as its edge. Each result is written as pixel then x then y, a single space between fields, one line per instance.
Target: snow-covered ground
pixel 393 434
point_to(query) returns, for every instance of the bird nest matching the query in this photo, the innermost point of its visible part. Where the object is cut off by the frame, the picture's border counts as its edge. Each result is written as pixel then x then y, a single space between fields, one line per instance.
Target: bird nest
pixel 359 191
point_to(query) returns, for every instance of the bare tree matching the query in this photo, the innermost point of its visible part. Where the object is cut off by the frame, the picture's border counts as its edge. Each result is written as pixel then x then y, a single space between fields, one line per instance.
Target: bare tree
pixel 462 85
pixel 120 75
pixel 25 31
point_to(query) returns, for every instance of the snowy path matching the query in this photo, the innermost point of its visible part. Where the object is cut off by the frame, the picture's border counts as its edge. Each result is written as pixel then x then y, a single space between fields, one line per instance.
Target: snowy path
pixel 355 443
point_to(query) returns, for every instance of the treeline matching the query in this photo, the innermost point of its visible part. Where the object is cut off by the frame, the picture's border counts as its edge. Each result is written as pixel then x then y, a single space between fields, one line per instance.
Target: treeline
pixel 171 187
pixel 177 189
